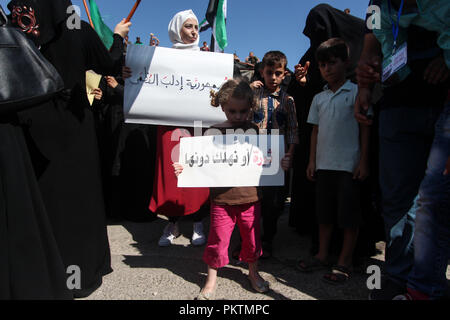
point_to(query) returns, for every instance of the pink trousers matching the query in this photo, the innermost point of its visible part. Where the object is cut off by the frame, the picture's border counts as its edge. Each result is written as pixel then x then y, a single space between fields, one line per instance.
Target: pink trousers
pixel 223 220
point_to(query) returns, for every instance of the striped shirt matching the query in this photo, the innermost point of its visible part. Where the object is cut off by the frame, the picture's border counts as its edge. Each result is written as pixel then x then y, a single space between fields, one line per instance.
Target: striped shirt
pixel 276 111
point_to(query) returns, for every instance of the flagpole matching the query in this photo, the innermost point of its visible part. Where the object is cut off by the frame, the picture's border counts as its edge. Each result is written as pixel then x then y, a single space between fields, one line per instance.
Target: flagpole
pixel 133 10
pixel 88 14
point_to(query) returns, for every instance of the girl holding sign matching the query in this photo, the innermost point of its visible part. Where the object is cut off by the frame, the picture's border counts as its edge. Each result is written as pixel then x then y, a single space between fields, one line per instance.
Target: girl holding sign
pixel 233 205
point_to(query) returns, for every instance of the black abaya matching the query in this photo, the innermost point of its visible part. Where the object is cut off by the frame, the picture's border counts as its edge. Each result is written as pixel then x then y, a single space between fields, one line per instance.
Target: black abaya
pixel 62 133
pixel 128 158
pixel 31 266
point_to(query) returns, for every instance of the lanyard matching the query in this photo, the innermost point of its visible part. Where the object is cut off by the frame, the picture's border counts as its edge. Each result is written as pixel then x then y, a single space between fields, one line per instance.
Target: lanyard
pixel 270 112
pixel 395 26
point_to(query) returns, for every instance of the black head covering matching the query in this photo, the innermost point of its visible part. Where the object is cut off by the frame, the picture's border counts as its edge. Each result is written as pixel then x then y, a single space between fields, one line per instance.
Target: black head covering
pixel 325 22
pixel 39 19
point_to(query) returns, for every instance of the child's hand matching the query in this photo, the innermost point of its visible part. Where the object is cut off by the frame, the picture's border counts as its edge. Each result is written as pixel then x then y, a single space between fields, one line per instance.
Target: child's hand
pixel 361 172
pixel 98 94
pixel 256 84
pixel 311 171
pixel 301 72
pixel 286 162
pixel 122 28
pixel 111 81
pixel 178 168
pixel 126 72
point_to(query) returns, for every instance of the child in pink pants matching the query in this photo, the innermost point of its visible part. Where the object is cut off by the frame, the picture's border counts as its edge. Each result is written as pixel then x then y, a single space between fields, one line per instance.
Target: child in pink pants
pixel 233 205
pixel 223 221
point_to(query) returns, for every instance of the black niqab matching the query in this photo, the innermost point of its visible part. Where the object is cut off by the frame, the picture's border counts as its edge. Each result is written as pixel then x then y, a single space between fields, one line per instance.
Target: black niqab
pixel 325 22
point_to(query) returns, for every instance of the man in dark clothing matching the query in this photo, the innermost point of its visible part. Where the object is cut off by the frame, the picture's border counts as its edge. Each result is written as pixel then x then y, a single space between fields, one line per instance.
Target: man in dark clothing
pixel 414 95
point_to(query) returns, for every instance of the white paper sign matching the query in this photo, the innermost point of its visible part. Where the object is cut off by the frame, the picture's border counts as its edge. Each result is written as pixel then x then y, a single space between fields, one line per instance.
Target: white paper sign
pixel 231 161
pixel 172 86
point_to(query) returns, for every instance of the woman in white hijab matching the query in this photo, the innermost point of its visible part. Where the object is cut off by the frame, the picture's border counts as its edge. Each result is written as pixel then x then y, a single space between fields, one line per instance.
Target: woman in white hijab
pixel 167 199
pixel 183 31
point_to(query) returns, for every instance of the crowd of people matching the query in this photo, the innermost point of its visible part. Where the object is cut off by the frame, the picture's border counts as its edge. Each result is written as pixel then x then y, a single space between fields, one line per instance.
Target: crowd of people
pixel 153 42
pixel 360 146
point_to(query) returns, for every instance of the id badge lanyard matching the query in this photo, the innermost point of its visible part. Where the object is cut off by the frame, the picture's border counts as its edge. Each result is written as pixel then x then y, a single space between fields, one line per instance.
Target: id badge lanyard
pixel 395 26
pixel 399 57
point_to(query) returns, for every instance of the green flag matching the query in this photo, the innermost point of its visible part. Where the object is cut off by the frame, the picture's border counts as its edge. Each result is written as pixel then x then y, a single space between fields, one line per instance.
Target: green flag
pixel 220 29
pixel 102 29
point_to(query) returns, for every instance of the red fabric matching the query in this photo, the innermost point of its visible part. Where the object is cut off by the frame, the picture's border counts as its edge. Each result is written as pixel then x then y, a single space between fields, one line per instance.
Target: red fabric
pixel 167 199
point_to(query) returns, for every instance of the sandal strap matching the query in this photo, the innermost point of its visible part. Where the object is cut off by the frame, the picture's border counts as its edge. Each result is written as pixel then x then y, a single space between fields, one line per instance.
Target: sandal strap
pixel 341 270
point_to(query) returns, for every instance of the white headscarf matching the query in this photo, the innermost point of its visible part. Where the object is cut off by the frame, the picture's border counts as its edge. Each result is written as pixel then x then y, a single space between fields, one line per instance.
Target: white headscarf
pixel 175 26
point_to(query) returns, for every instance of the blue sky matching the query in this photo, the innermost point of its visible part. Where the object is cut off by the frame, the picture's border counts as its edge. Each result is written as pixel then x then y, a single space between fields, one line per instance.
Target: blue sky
pixel 252 25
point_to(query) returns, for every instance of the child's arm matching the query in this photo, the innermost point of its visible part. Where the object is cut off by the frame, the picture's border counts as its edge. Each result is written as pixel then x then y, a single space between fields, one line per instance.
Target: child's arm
pixel 311 170
pixel 362 170
pixel 178 167
pixel 291 131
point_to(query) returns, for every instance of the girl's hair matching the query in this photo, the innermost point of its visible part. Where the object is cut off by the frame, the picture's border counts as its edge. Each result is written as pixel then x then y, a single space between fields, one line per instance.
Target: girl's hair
pixel 239 89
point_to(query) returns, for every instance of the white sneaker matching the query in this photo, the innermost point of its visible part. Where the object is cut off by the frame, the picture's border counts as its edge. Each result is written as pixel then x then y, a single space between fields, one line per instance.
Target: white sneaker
pixel 198 237
pixel 170 233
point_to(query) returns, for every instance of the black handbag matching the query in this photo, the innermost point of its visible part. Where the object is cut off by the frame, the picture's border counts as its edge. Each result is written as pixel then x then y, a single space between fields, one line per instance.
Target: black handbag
pixel 26 77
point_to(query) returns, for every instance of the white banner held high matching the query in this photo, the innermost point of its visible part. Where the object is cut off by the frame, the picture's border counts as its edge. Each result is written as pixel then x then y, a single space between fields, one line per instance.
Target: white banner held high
pixel 172 86
pixel 232 160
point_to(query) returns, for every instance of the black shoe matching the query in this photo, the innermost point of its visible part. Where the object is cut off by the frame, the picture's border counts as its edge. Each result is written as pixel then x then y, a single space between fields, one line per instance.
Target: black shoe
pixel 389 290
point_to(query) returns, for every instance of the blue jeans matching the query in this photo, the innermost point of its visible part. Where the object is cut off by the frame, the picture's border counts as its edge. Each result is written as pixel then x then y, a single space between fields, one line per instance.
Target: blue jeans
pixel 406 135
pixel 432 232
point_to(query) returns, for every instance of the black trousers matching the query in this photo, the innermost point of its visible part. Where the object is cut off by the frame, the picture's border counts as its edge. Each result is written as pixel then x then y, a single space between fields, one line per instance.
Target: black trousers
pixel 272 206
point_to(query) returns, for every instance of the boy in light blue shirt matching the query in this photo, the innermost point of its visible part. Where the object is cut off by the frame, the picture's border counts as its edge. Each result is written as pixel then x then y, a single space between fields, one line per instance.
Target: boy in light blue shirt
pixel 338 159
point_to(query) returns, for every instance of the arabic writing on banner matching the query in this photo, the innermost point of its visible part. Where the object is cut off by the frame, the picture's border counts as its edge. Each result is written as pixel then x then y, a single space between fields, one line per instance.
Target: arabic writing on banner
pixel 231 161
pixel 172 86
pixel 171 81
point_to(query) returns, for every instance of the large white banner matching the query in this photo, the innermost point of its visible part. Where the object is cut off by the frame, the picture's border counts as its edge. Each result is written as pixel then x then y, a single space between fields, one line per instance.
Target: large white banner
pixel 233 160
pixel 172 86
